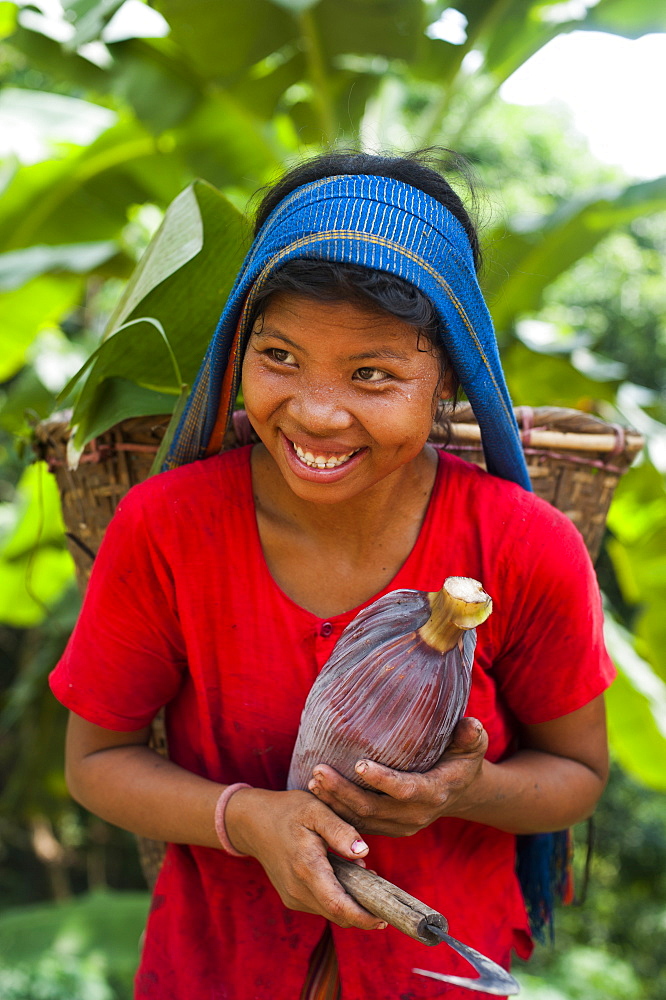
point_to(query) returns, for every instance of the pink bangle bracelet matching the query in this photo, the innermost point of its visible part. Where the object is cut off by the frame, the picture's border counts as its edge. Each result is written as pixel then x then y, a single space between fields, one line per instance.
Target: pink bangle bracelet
pixel 220 810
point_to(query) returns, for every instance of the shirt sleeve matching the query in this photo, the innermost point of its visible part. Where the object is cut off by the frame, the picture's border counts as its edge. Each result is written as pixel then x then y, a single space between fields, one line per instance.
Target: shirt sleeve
pixel 554 660
pixel 125 658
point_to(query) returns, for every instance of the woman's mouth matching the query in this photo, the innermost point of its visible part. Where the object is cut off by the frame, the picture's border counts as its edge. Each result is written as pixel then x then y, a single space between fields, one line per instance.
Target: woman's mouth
pixel 322 461
pixel 315 466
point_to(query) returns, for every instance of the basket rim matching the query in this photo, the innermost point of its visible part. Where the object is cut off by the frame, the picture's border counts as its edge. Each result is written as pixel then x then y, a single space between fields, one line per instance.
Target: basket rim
pixel 545 427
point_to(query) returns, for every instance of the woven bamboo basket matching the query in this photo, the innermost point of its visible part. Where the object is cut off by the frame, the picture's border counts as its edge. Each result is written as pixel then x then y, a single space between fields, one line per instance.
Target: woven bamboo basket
pixel 574 460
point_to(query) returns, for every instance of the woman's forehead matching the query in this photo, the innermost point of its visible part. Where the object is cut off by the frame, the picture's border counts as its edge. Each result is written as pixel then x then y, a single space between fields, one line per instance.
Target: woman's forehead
pixel 285 313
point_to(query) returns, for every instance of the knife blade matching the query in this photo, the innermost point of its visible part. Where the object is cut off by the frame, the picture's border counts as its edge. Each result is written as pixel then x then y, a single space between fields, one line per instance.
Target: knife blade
pixel 421 922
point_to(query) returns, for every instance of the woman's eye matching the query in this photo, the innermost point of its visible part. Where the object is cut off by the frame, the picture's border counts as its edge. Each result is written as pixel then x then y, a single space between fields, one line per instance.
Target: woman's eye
pixel 370 375
pixel 282 357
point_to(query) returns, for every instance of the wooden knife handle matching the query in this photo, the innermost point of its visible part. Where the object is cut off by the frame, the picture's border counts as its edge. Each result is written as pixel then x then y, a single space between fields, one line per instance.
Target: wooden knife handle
pixel 388 901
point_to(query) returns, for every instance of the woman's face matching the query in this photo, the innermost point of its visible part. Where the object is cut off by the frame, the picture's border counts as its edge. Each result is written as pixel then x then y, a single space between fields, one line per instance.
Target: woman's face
pixel 341 396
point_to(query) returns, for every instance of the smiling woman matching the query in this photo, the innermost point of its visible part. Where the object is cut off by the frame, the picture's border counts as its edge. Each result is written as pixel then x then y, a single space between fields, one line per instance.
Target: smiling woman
pixel 224 584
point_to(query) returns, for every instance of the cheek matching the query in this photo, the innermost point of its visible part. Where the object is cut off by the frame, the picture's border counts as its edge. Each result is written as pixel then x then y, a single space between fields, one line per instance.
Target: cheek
pixel 406 422
pixel 256 386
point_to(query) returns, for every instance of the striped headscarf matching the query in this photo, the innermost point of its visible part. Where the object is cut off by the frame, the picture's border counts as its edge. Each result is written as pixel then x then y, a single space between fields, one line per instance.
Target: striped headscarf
pixel 382 224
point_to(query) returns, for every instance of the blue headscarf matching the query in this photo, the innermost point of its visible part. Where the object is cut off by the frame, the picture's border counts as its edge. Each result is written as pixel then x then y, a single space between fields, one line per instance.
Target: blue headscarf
pixel 385 225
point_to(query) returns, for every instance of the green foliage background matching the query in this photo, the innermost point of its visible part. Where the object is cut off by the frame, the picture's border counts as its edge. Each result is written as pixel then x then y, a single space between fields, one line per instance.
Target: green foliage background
pixel 120 234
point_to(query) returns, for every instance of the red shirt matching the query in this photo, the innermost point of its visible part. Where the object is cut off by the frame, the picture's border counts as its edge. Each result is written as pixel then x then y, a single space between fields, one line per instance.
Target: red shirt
pixel 182 610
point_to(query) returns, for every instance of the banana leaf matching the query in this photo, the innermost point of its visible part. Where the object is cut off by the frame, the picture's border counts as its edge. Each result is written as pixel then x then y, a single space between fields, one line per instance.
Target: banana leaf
pixel 156 338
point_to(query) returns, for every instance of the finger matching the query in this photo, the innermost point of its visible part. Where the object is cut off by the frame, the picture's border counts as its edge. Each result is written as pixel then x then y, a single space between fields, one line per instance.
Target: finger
pixel 348 800
pixel 338 835
pixel 468 737
pixel 405 786
pixel 334 902
pixel 338 906
pixel 403 803
pixel 383 820
pixel 309 885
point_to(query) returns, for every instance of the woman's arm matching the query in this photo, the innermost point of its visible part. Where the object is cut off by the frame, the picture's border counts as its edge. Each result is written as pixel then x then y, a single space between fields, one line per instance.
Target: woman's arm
pixel 118 777
pixel 555 780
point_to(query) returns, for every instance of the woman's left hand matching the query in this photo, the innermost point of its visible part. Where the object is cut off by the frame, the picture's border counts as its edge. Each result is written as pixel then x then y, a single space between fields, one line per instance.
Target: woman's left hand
pixel 404 802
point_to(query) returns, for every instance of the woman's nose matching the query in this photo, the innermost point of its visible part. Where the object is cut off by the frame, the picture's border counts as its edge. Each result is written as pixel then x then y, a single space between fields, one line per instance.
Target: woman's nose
pixel 320 407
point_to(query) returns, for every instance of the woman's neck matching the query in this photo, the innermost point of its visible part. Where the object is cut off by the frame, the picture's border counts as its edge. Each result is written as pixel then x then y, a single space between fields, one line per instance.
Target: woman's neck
pixel 384 507
pixel 330 558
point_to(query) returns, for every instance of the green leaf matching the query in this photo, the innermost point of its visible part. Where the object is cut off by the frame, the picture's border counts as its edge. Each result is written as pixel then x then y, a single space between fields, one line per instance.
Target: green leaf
pixel 29 587
pixel 135 353
pixel 438 61
pixel 639 506
pixel 487 21
pixel 118 399
pixel 19 266
pixel 295 6
pixel 89 17
pixel 26 311
pixel 506 33
pixel 7 19
pixel 86 195
pixel 261 89
pixel 52 119
pixel 631 18
pixel 48 57
pixel 222 40
pixel 516 35
pixel 151 75
pixel 28 395
pixel 549 380
pixel 389 28
pixel 40 519
pixel 35 566
pixel 252 153
pixel 160 87
pixel 181 284
pixel 177 241
pixel 636 711
pixel 532 258
pixel 638 551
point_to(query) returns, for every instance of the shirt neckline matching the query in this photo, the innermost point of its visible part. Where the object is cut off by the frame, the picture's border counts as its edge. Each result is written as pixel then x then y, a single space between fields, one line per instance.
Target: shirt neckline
pixel 344 617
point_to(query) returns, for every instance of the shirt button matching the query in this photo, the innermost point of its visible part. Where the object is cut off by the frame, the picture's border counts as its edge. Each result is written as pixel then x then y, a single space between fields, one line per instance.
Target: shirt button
pixel 326 630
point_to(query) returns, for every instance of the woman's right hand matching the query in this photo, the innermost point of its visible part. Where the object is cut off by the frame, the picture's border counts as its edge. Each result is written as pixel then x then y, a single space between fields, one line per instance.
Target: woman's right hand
pixel 118 777
pixel 289 833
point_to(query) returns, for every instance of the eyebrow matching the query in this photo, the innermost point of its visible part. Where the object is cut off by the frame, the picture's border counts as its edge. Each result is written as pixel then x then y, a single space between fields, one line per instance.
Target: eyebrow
pixel 268 331
pixel 383 353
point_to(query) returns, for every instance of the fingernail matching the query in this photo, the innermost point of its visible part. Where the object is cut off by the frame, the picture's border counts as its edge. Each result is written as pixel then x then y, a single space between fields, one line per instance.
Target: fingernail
pixel 362 767
pixel 313 786
pixel 318 774
pixel 359 846
pixel 382 926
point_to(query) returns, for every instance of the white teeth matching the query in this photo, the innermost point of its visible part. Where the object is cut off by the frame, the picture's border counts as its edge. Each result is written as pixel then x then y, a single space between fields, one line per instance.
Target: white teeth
pixel 320 461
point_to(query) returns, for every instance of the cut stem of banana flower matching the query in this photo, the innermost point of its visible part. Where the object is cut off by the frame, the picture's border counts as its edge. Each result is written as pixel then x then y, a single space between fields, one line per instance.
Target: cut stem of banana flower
pixel 460 605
